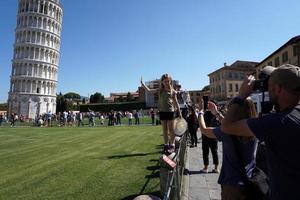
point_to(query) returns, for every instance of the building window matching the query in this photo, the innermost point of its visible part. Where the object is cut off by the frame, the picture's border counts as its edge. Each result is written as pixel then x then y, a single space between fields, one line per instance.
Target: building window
pixel 41 8
pixel 242 76
pixel 229 75
pixel 276 61
pixel 230 87
pixel 236 87
pixel 235 76
pixel 270 63
pixel 285 56
pixel 295 50
pixel 198 94
pixel 38 90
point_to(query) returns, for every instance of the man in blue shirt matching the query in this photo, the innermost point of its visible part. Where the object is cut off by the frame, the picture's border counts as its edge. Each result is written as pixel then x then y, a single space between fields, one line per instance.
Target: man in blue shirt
pixel 280 131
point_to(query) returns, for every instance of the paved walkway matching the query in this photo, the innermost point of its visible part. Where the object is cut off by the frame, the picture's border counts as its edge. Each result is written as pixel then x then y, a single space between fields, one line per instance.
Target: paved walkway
pixel 196 185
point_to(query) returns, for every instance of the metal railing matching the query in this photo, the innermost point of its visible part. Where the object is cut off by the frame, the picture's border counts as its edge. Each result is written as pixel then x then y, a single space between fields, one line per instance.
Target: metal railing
pixel 173 187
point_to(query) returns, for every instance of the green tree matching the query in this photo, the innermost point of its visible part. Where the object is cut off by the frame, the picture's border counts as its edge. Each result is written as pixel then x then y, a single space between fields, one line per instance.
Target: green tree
pixel 72 95
pixel 97 98
pixel 3 106
pixel 61 103
pixel 120 99
pixel 129 97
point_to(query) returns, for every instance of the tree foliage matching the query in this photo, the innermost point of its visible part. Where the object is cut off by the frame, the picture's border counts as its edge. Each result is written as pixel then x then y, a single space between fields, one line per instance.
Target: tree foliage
pixel 3 107
pixel 129 97
pixel 60 103
pixel 72 95
pixel 97 98
pixel 67 102
pixel 120 99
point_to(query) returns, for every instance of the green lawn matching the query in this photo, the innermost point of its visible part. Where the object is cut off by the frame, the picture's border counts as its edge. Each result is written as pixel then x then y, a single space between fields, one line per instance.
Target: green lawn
pixel 79 163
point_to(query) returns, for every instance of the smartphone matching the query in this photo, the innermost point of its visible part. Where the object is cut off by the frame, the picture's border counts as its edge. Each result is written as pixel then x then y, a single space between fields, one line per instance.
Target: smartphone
pixel 205 102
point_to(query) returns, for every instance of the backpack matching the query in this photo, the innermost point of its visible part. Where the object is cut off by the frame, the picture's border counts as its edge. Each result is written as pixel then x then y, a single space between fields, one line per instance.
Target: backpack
pixel 256 186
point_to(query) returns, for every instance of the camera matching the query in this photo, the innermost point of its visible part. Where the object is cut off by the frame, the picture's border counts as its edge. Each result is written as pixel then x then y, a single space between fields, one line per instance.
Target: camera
pixel 262 83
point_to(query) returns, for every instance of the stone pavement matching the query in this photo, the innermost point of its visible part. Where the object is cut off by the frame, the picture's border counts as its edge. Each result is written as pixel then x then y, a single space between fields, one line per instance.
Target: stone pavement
pixel 197 185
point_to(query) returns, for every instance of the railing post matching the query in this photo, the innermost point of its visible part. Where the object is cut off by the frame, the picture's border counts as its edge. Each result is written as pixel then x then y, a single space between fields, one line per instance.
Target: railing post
pixel 173 185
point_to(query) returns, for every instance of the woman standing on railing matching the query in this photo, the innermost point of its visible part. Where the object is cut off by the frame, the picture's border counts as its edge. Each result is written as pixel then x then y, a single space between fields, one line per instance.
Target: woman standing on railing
pixel 238 152
pixel 167 101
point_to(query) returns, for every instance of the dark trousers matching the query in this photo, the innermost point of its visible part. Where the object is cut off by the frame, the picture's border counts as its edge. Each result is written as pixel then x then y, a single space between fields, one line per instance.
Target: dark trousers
pixel 80 122
pixel 194 138
pixel 152 119
pixel 233 193
pixel 118 121
pixel 212 144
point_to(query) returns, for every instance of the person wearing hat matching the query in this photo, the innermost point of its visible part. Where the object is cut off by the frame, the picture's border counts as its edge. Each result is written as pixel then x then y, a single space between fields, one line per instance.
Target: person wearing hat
pixel 280 131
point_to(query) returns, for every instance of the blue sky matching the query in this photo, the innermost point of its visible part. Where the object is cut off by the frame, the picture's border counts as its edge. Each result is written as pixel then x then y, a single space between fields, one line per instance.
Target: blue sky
pixel 107 45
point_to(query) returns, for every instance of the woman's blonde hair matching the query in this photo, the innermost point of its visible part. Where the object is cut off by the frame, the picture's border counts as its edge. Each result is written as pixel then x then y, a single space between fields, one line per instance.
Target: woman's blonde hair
pixel 163 77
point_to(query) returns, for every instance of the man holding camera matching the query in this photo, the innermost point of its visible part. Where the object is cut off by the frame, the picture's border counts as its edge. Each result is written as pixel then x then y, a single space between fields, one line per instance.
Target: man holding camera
pixel 280 131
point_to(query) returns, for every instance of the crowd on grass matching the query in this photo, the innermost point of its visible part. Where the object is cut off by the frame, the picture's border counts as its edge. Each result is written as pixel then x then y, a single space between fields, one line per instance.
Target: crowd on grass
pixel 77 118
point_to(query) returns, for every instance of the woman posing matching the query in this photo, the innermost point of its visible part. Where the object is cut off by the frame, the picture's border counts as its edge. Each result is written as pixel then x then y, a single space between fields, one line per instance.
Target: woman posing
pixel 167 101
pixel 238 152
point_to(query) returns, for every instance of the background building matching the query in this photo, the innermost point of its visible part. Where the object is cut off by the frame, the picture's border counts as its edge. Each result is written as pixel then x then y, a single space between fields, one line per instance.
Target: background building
pixel 151 99
pixel 123 97
pixel 287 53
pixel 226 81
pixel 197 95
pixel 35 62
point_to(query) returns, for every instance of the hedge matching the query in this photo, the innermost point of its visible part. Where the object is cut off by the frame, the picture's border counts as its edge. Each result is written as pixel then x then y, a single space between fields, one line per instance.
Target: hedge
pixel 3 107
pixel 107 107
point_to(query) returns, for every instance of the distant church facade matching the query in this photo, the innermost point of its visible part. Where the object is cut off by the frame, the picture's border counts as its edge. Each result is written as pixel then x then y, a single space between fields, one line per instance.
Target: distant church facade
pixel 33 80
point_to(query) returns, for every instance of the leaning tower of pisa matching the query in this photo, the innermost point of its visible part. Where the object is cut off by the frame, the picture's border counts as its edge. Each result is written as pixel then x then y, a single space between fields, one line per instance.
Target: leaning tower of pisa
pixel 35 61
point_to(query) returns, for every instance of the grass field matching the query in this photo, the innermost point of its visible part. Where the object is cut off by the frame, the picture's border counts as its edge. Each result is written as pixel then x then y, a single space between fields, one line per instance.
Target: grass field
pixel 79 163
